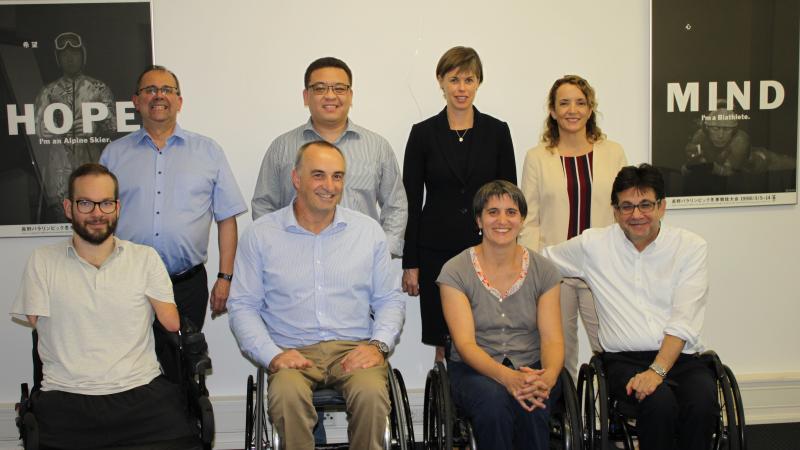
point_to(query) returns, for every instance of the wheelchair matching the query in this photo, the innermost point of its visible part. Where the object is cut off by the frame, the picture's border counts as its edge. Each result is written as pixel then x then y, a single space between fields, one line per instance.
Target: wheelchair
pixel 184 360
pixel 445 427
pixel 607 420
pixel 260 435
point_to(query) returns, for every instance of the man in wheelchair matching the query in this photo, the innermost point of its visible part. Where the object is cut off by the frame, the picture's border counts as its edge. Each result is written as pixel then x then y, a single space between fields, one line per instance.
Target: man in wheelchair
pixel 316 302
pixel 92 299
pixel 650 282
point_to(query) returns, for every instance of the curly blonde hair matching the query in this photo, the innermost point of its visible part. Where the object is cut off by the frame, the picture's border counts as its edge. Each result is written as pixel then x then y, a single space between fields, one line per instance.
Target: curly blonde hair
pixel 593 133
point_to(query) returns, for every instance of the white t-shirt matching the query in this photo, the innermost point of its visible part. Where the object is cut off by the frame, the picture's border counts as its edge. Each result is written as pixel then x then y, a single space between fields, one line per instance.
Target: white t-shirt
pixel 95 324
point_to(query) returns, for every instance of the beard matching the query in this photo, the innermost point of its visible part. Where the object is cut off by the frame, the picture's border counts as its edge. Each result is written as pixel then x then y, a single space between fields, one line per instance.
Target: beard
pixel 95 237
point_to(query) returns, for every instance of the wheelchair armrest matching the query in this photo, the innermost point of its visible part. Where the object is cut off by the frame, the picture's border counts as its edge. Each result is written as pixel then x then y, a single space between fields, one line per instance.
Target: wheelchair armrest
pixel 169 336
pixel 195 350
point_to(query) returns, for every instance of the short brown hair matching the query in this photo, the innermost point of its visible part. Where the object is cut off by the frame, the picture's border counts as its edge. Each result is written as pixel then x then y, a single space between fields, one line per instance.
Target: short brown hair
pixel 157 68
pixel 462 58
pixel 298 160
pixel 91 169
pixel 499 188
pixel 593 132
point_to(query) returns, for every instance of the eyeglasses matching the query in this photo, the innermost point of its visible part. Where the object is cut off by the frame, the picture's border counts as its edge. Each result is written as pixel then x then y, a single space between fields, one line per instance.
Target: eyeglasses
pixel 153 90
pixel 322 88
pixel 645 206
pixel 88 206
pixel 68 38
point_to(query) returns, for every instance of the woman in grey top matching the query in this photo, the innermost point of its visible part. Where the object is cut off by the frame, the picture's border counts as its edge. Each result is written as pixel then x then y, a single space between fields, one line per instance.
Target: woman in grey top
pixel 501 304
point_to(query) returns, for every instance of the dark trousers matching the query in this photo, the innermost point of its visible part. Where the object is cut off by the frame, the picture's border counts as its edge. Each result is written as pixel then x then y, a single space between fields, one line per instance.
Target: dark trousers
pixel 681 413
pixel 153 416
pixel 434 328
pixel 497 419
pixel 191 294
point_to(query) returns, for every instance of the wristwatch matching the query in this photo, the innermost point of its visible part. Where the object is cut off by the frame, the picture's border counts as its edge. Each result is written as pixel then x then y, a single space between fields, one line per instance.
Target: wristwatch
pixel 660 371
pixel 225 276
pixel 383 348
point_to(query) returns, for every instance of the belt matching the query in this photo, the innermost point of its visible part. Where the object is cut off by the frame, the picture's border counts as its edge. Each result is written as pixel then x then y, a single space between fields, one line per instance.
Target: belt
pixel 186 274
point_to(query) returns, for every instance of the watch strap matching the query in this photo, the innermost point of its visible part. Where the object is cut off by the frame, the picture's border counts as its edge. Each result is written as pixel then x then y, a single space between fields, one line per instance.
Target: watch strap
pixel 660 371
pixel 382 347
pixel 225 276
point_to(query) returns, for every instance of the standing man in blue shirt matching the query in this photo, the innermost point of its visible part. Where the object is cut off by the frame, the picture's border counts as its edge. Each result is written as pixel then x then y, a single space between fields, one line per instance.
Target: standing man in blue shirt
pixel 374 185
pixel 316 301
pixel 173 183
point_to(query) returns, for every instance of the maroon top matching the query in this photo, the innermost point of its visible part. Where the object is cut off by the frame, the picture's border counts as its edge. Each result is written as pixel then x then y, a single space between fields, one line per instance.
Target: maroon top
pixel 578 173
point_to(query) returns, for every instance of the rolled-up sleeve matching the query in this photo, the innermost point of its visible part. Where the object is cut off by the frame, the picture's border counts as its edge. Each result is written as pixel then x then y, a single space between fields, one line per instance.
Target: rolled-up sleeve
pixel 690 297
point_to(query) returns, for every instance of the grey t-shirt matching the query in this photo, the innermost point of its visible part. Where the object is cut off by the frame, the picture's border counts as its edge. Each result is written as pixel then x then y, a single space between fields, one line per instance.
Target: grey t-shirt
pixel 503 328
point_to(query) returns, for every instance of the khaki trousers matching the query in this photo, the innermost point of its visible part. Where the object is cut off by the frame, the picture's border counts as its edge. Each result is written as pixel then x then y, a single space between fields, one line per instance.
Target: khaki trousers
pixel 576 296
pixel 364 390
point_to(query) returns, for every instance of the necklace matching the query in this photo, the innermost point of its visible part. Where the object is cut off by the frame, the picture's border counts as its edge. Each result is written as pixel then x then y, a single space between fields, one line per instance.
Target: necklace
pixel 461 136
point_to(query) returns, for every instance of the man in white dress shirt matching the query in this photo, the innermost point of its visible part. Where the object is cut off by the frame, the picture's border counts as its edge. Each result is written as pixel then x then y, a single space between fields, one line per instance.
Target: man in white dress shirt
pixel 650 283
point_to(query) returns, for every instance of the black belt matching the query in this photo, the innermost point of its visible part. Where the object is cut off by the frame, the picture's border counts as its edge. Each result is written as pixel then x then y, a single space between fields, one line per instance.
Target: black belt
pixel 186 274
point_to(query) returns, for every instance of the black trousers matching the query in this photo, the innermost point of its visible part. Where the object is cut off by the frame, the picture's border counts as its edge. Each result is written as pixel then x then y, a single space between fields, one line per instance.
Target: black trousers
pixel 434 328
pixel 153 416
pixel 683 410
pixel 191 294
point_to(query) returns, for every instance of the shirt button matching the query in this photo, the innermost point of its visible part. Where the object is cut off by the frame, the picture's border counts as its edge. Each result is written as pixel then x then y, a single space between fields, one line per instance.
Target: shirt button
pixel 503 315
pixel 463 210
pixel 158 212
pixel 156 234
pixel 159 172
pixel 158 192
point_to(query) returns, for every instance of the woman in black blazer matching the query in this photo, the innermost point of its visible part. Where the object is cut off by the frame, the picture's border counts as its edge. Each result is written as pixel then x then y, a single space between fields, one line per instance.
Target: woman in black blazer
pixel 448 157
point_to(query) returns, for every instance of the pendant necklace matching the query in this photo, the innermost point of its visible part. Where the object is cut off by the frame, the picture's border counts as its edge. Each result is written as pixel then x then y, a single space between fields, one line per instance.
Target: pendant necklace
pixel 461 136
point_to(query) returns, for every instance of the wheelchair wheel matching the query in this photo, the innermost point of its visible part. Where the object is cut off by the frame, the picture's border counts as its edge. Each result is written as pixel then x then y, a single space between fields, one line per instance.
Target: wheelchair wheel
pixel 403 425
pixel 737 402
pixel 594 394
pixel 727 435
pixel 206 422
pixel 31 431
pixel 570 420
pixel 248 412
pixel 438 412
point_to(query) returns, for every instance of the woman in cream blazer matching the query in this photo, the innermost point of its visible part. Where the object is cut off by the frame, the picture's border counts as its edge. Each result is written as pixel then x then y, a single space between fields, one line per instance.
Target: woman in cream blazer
pixel 573 162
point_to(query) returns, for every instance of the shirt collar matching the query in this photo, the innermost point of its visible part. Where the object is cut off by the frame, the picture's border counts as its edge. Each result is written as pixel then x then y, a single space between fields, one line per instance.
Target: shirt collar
pixel 308 129
pixel 72 251
pixel 290 221
pixel 142 135
pixel 650 247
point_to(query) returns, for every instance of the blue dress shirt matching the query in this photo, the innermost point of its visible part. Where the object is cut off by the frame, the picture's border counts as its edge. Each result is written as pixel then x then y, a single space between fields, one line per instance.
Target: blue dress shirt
pixel 294 288
pixel 169 196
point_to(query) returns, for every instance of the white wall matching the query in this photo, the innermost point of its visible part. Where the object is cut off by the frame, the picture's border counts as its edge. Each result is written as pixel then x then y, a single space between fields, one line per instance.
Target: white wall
pixel 241 69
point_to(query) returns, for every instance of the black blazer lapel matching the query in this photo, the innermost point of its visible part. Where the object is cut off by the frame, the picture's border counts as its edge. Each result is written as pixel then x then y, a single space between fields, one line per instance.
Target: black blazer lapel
pixel 442 132
pixel 479 136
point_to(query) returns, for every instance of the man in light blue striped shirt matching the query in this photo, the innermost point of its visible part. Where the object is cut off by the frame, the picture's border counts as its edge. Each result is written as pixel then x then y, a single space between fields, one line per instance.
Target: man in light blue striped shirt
pixel 317 302
pixel 373 175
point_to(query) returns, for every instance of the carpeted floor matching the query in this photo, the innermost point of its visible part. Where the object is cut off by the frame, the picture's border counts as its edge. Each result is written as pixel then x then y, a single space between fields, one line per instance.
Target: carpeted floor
pixel 775 436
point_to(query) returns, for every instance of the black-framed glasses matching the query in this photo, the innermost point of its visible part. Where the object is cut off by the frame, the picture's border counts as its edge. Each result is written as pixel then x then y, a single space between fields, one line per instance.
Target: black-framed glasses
pixel 645 206
pixel 153 90
pixel 322 88
pixel 88 206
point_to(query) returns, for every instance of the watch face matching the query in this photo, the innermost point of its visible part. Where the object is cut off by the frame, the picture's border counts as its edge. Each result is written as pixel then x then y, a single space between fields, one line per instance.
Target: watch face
pixel 381 346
